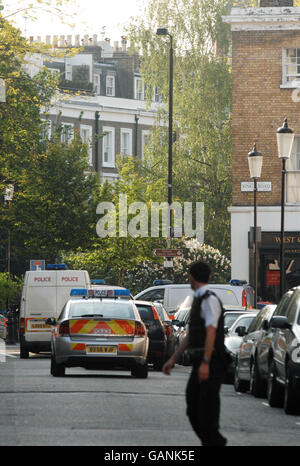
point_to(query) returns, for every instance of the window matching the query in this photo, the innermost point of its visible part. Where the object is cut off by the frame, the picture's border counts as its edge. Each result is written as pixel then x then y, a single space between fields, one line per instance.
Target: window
pixel 110 85
pixel 293 308
pixel 126 141
pixel 86 133
pixel 67 132
pixel 145 140
pixel 97 84
pixel 283 305
pixel 293 174
pixel 156 95
pixel 108 147
pixel 46 129
pixel 139 89
pixel 153 295
pixel 109 177
pixel 291 68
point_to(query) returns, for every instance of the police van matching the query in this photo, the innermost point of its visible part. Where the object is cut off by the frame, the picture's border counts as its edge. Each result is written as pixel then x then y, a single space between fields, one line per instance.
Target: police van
pixel 44 294
pixel 237 293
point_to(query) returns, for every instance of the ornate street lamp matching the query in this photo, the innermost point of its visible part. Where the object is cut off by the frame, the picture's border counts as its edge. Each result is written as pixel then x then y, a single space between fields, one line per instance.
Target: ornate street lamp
pixel 255 160
pixel 285 140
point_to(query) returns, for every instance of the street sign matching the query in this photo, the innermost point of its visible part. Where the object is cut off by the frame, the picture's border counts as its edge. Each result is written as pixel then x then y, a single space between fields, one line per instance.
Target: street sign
pixel 168 252
pixel 37 264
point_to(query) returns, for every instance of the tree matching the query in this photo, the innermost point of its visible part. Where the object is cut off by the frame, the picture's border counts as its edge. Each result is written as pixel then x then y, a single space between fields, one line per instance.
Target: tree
pixel 54 207
pixel 144 274
pixel 10 290
pixel 202 104
pixel 112 257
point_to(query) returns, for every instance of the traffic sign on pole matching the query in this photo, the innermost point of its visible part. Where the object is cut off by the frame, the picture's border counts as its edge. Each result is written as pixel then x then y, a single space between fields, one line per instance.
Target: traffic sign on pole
pixel 168 252
pixel 37 264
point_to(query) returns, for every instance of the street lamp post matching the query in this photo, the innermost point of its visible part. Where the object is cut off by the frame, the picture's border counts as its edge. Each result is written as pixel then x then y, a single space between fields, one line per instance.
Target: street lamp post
pixel 165 32
pixel 255 160
pixel 11 338
pixel 285 140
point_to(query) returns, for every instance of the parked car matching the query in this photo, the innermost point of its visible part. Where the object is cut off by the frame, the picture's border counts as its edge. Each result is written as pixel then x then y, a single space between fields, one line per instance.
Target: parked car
pixel 157 353
pixel 234 338
pixel 232 313
pixel 251 354
pixel 180 325
pixel 169 328
pixel 283 388
pixel 3 327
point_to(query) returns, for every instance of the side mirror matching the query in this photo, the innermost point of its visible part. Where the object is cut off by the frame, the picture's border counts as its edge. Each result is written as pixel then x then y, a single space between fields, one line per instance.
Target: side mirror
pixel 280 322
pixel 50 321
pixel 241 331
pixel 226 330
pixel 178 323
pixel 265 325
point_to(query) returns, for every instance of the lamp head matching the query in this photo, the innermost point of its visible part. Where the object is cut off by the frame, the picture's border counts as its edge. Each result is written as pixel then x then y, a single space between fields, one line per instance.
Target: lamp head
pixel 162 32
pixel 285 140
pixel 255 160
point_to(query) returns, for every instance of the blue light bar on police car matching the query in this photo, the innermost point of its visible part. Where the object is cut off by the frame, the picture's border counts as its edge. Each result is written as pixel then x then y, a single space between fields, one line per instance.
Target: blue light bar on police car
pixel 235 282
pixel 56 267
pixel 79 292
pixel 162 282
pixel 97 281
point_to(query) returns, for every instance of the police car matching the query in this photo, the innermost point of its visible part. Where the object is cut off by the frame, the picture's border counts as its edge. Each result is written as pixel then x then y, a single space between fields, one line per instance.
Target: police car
pixel 98 330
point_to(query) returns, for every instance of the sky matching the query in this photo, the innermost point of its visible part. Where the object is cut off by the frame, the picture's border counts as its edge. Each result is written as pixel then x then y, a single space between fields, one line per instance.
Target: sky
pixel 91 17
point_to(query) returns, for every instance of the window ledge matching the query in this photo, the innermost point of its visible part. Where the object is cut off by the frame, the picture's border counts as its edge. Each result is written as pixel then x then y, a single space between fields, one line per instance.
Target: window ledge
pixel 290 86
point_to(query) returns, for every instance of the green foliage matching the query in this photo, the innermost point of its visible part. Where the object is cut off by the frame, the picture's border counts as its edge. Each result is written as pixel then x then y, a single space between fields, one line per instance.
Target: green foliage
pixel 201 107
pixel 54 207
pixel 143 275
pixel 10 290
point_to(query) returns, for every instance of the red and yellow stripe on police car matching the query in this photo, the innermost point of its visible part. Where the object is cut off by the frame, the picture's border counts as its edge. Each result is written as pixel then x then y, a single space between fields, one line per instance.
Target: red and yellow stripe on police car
pixel 77 346
pixel 116 327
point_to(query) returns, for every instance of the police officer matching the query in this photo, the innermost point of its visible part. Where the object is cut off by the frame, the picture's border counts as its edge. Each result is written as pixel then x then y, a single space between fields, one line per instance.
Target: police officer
pixel 205 344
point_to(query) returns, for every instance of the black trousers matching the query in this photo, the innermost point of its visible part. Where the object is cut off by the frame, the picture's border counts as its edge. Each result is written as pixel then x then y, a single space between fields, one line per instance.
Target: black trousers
pixel 203 407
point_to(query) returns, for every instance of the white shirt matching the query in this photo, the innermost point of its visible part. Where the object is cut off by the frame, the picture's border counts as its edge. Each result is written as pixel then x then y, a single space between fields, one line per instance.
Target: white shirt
pixel 210 308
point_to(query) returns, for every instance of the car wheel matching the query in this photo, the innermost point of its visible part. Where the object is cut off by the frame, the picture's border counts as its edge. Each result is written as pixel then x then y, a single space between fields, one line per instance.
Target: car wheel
pixel 274 391
pixel 139 371
pixel 257 385
pixel 57 370
pixel 290 401
pixel 239 385
pixel 24 352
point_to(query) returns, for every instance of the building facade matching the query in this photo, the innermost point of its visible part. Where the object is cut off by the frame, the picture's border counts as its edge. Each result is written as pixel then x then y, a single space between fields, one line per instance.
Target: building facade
pixel 266 90
pixel 102 96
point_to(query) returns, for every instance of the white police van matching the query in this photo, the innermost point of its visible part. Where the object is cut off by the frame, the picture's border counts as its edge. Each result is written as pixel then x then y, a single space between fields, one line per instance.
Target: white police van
pixel 236 293
pixel 44 294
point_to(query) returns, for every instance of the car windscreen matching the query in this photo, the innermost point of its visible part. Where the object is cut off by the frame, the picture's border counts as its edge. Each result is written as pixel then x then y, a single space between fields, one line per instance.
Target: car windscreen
pixel 229 319
pixel 243 322
pixel 146 312
pixel 109 310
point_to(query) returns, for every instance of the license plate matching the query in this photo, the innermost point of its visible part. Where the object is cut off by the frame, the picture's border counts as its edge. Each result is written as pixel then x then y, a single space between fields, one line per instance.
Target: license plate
pixel 101 349
pixel 39 326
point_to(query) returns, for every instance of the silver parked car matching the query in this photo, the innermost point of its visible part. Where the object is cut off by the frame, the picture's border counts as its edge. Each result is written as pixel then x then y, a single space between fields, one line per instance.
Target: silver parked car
pixel 97 333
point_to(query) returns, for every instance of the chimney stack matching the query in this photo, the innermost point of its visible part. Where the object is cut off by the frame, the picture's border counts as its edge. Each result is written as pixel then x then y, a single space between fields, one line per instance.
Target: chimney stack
pixel 77 40
pixel 124 44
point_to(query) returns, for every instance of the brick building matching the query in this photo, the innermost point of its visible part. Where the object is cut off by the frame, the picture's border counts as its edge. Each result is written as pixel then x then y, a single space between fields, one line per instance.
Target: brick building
pixel 266 89
pixel 111 100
